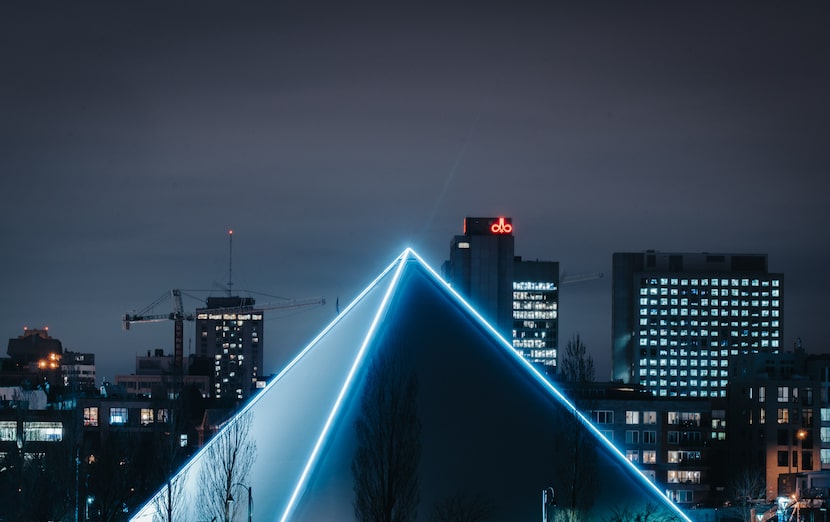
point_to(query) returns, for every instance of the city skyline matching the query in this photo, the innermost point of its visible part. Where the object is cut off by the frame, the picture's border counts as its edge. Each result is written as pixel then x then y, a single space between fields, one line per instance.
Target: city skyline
pixel 329 137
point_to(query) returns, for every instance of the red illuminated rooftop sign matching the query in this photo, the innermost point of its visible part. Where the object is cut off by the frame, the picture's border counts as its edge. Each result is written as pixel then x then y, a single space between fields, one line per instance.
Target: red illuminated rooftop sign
pixel 502 226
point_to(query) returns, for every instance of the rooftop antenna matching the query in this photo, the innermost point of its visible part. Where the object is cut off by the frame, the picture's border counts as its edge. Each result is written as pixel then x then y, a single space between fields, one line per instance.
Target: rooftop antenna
pixel 230 263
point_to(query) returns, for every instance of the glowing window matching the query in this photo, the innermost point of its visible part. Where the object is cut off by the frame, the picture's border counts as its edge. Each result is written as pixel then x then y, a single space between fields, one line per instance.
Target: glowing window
pixel 90 416
pixel 43 431
pixel 8 430
pixel 118 416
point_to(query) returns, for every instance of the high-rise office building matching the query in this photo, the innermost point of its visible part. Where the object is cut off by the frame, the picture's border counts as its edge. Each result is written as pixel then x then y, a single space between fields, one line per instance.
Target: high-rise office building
pixel 519 297
pixel 230 332
pixel 481 268
pixel 536 311
pixel 678 317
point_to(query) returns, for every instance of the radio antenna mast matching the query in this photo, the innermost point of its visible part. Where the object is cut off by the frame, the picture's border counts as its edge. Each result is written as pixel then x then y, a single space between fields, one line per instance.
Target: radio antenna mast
pixel 230 263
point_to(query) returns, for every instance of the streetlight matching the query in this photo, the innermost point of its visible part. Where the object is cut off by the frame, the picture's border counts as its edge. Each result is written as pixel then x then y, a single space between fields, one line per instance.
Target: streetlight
pixel 800 435
pixel 548 502
pixel 230 499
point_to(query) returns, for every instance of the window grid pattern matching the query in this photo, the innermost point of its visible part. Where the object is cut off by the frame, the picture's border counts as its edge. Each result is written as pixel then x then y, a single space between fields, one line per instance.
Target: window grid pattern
pixel 535 314
pixel 687 327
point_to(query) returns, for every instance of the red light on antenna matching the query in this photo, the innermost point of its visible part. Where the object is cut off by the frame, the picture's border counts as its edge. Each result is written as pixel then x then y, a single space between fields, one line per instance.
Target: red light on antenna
pixel 230 232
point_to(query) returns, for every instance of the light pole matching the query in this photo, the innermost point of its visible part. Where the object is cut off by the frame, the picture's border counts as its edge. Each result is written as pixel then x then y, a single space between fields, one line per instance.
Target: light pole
pixel 800 435
pixel 250 500
pixel 548 501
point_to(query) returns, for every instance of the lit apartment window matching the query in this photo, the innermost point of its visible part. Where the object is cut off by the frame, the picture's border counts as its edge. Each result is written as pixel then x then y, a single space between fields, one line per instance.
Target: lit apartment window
pixel 633 455
pixel 118 416
pixel 8 431
pixel 90 416
pixel 43 431
pixel 683 477
pixel 649 417
pixel 783 415
pixel 649 457
pixel 632 417
pixel 146 416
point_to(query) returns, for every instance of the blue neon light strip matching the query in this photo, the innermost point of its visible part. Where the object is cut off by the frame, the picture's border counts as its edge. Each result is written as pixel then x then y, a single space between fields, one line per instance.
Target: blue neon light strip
pixel 180 474
pixel 312 459
pixel 555 391
pixel 399 264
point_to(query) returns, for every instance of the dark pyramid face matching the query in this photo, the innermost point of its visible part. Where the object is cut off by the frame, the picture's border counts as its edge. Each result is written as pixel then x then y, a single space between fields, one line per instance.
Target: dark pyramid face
pixel 418 385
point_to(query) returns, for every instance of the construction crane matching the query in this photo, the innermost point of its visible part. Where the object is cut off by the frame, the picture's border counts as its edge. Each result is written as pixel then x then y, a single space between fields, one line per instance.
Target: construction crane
pixel 178 316
pixel 579 278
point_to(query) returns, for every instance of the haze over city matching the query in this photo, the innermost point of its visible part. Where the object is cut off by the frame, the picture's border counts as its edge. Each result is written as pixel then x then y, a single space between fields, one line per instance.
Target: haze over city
pixel 331 136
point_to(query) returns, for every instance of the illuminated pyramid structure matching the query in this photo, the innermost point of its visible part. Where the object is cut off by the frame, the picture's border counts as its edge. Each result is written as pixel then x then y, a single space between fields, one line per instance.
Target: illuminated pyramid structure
pixel 493 431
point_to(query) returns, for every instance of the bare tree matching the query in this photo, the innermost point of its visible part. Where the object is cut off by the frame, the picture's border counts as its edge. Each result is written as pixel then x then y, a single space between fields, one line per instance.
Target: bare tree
pixel 649 513
pixel 575 468
pixel 228 461
pixel 171 454
pixel 568 515
pixel 748 486
pixel 170 506
pixel 461 508
pixel 576 364
pixel 388 428
pixel 115 474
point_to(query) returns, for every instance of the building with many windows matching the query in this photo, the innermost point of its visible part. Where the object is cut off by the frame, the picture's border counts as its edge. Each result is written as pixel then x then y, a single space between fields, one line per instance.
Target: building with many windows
pixel 521 298
pixel 779 416
pixel 229 331
pixel 676 442
pixel 536 311
pixel 678 318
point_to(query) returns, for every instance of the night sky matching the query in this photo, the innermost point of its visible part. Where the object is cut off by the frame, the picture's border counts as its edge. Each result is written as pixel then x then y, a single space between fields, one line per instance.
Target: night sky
pixel 331 135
